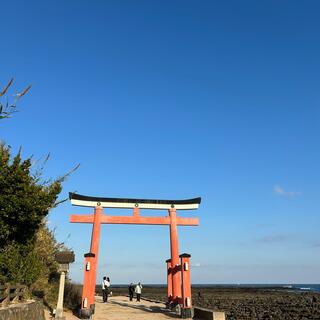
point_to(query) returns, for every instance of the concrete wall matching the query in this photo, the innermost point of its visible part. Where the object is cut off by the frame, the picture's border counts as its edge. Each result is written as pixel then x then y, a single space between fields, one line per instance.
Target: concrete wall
pixel 32 310
pixel 206 314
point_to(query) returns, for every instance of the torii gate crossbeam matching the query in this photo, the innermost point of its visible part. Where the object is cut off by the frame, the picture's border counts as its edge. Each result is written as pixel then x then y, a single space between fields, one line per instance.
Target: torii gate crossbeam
pixel 98 218
pixel 89 218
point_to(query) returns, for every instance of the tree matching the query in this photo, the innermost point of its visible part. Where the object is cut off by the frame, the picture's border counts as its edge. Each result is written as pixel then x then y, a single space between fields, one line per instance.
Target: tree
pixel 27 246
pixel 24 201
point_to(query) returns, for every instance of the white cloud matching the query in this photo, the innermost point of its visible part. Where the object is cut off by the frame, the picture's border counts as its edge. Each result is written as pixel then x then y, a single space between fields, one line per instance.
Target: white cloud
pixel 276 238
pixel 196 265
pixel 279 191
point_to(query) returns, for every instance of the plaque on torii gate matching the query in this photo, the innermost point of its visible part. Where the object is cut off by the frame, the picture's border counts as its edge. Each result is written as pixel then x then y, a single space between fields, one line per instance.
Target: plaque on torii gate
pixel 179 287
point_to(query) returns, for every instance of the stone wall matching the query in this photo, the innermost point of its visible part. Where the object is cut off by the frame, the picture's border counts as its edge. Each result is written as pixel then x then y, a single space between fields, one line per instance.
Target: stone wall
pixel 206 314
pixel 31 310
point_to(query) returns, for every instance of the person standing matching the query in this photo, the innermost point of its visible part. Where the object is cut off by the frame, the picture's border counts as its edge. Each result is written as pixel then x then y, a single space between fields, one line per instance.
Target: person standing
pixel 131 291
pixel 108 284
pixel 105 288
pixel 138 291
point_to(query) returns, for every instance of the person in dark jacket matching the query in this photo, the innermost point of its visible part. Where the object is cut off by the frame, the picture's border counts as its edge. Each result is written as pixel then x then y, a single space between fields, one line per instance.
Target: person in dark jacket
pixel 105 285
pixel 131 291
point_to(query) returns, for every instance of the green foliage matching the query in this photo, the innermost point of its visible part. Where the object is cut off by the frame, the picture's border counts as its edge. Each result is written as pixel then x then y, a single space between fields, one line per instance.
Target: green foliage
pixel 27 246
pixel 45 248
pixel 24 202
pixel 19 264
pixel 46 285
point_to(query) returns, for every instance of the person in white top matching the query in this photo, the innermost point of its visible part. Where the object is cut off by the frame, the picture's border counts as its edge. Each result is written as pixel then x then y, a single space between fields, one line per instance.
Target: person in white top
pixel 105 288
pixel 138 291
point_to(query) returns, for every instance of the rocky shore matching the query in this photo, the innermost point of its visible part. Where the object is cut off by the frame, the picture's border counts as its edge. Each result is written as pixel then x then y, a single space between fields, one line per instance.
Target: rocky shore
pixel 249 303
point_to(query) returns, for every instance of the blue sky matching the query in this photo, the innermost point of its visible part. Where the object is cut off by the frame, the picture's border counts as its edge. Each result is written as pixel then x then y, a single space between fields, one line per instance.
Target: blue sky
pixel 177 99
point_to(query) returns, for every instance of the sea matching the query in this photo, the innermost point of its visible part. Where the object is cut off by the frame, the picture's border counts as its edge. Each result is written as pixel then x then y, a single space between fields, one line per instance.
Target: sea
pixel 298 287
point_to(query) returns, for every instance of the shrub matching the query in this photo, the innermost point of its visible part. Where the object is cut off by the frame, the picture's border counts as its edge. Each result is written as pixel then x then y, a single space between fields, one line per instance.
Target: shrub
pixel 72 296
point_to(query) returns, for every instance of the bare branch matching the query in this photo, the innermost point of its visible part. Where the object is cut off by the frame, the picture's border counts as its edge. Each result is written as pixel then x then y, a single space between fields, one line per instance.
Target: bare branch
pixel 6 88
pixel 24 91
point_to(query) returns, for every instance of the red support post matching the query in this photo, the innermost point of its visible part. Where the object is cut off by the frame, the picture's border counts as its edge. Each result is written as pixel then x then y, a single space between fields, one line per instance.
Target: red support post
pixel 136 212
pixel 186 311
pixel 169 282
pixel 87 285
pixel 176 278
pixel 91 263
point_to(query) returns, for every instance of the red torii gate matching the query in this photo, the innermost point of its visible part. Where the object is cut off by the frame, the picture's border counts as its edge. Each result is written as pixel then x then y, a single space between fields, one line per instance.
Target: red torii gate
pixel 179 286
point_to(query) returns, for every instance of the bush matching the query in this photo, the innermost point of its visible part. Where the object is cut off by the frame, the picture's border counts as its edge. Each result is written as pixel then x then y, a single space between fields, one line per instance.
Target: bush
pixel 24 200
pixel 19 264
pixel 72 296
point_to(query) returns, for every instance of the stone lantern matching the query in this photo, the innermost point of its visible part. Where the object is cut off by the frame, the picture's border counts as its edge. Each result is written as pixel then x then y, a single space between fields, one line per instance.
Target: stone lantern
pixel 64 258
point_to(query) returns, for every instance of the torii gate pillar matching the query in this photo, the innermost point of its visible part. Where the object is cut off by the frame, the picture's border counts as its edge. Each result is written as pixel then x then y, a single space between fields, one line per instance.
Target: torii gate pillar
pixel 186 311
pixel 175 263
pixel 169 282
pixel 90 268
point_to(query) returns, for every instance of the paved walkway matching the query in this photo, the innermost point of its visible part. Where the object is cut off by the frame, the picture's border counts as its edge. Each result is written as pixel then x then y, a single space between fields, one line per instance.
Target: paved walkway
pixel 120 308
